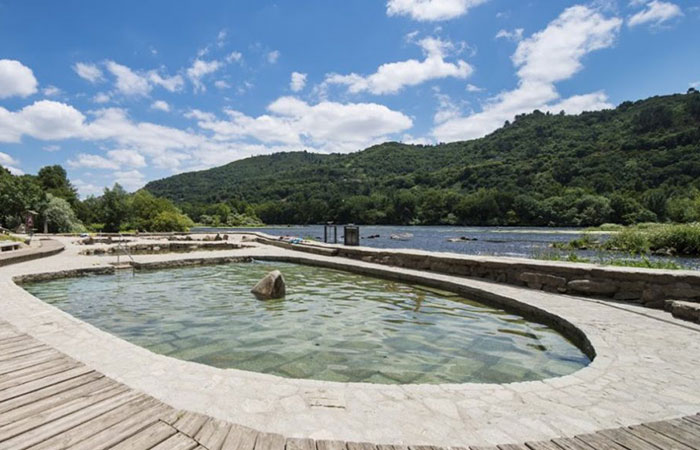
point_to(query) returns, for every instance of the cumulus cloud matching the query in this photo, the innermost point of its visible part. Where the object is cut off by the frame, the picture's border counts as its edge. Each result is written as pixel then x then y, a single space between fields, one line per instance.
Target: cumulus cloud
pixel 515 35
pixel 128 82
pixel 101 97
pixel 297 82
pixel 391 78
pixel 222 84
pixel 656 13
pixel 51 91
pixel 199 69
pixel 131 180
pixel 273 56
pixel 326 126
pixel 10 163
pixel 234 57
pixel 45 120
pixel 86 188
pixel 160 105
pixel 85 160
pixel 545 58
pixel 16 79
pixel 430 10
pixel 127 158
pixel 474 88
pixel 172 84
pixel 88 71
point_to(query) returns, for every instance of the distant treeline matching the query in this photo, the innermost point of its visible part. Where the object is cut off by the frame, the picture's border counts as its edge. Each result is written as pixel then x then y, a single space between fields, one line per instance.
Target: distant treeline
pixel 639 162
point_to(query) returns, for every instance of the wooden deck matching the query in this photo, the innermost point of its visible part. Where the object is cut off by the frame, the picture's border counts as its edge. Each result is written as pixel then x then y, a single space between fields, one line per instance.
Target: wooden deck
pixel 49 401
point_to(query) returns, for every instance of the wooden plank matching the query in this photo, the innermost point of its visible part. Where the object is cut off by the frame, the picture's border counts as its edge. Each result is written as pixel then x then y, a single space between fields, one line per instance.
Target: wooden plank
pixel 125 429
pixel 37 347
pixel 240 438
pixel 627 440
pixel 35 372
pixel 690 427
pixel 354 446
pixel 148 437
pixel 190 423
pixel 26 388
pixel 48 392
pixel 542 445
pixel 694 419
pixel 570 444
pixel 95 425
pixel 655 438
pixel 10 342
pixel 177 441
pixel 28 360
pixel 325 444
pixel 24 424
pixel 483 447
pixel 44 404
pixel 599 442
pixel 213 434
pixel 270 441
pixel 675 433
pixel 65 422
pixel 307 444
pixel 512 447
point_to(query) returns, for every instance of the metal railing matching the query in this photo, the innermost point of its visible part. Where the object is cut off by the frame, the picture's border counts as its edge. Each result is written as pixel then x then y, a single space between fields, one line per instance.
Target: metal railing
pixel 122 247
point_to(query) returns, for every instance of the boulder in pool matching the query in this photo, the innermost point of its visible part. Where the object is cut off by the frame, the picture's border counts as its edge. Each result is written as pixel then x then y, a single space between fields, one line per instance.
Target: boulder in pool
pixel 271 286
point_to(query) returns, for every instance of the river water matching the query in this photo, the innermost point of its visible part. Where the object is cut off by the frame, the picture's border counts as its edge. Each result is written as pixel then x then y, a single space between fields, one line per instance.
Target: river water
pixel 527 242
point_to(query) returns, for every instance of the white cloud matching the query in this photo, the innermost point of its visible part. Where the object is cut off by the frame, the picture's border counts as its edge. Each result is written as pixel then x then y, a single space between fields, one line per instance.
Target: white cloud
pixel 160 105
pixel 549 56
pixel 7 160
pixel 85 189
pixel 326 126
pixel 234 57
pixel 129 82
pixel 199 69
pixel 297 82
pixel 127 158
pixel 473 88
pixel 101 97
pixel 45 120
pixel 92 162
pixel 695 85
pixel 430 10
pixel 222 84
pixel 88 71
pixel 50 91
pixel 273 56
pixel 172 84
pixel 655 13
pixel 221 38
pixel 131 180
pixel 16 79
pixel 515 35
pixel 391 78
pixel 52 148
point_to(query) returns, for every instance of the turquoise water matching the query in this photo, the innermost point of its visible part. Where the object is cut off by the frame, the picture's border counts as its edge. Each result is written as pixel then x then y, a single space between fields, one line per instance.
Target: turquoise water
pixel 332 325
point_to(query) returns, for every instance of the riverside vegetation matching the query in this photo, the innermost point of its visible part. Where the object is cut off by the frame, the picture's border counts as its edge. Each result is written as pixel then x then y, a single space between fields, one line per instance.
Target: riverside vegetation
pixel 639 162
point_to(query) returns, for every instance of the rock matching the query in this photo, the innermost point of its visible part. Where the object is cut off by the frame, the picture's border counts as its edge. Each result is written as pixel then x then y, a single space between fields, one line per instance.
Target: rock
pixel 271 286
pixel 686 310
pixel 537 280
pixel 592 287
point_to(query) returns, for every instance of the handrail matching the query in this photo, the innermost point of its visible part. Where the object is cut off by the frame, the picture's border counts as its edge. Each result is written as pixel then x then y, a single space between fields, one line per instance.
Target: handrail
pixel 125 248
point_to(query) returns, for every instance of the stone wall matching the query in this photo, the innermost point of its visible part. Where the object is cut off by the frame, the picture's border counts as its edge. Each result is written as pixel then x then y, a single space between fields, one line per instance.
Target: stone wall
pixel 648 287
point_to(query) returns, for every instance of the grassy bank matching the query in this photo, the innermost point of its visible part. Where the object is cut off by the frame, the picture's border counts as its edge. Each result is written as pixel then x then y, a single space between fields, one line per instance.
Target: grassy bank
pixel 665 239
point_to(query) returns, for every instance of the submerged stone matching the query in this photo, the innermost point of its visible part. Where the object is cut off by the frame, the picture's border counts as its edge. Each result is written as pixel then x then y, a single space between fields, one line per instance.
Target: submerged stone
pixel 271 286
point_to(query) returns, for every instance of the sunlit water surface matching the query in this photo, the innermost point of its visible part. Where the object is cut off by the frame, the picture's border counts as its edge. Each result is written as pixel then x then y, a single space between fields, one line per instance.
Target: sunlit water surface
pixel 332 325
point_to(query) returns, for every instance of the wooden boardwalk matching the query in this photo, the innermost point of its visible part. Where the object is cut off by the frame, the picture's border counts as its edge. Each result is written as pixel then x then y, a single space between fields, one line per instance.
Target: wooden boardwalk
pixel 49 401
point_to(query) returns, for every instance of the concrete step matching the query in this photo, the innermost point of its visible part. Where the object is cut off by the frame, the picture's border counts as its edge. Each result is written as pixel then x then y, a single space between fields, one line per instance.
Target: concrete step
pixel 684 310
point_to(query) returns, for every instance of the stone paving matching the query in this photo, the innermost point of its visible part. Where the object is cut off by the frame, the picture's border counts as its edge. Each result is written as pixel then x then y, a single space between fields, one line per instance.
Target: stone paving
pixel 646 369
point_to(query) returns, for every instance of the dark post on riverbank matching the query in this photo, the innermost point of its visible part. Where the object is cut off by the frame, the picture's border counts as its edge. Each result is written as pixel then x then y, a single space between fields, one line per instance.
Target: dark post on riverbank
pixel 329 229
pixel 352 235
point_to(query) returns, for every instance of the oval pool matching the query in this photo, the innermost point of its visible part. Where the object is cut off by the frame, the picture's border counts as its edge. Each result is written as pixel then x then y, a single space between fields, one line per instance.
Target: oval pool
pixel 332 325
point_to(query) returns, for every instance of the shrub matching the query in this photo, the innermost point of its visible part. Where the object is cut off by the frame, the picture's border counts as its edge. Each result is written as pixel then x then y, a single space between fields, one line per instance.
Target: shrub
pixel 171 221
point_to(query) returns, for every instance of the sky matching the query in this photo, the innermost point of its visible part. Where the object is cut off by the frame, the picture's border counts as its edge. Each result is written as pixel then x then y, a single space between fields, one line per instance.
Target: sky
pixel 133 91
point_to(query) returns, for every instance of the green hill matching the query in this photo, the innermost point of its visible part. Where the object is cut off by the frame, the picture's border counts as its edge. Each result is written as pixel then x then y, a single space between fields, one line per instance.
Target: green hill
pixel 635 163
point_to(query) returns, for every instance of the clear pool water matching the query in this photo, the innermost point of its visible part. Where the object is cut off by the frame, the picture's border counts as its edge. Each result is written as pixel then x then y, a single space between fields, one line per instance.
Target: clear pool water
pixel 332 325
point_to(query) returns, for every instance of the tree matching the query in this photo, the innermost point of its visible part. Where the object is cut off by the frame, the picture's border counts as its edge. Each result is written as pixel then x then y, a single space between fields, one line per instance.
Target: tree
pixel 171 221
pixel 60 217
pixel 54 181
pixel 115 204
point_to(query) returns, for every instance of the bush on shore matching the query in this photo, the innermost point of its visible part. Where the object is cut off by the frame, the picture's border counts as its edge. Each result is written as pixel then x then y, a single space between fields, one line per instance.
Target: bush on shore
pixel 673 239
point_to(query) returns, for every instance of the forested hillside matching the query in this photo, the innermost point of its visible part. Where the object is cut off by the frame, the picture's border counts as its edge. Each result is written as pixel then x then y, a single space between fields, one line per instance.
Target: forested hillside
pixel 639 162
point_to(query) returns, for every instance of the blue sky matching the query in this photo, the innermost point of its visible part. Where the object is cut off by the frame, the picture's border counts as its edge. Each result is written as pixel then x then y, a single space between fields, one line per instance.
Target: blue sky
pixel 134 91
